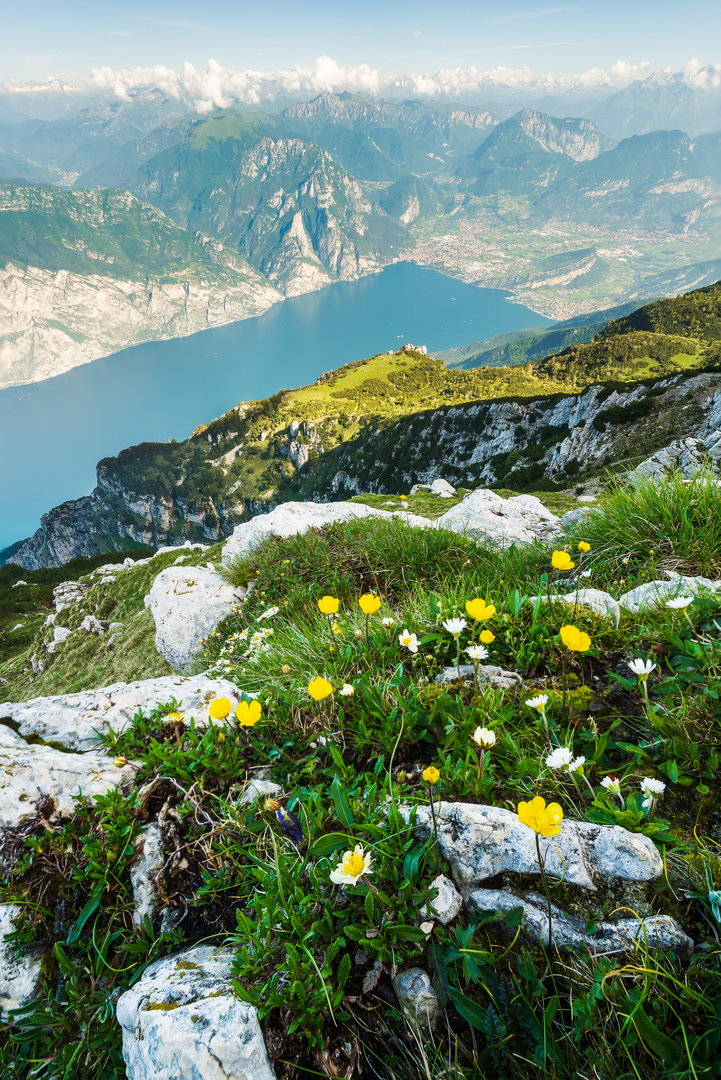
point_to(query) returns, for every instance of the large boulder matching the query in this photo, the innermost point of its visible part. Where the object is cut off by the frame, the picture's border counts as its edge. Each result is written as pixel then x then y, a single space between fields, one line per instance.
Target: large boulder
pixel 482 841
pixel 182 1021
pixel 654 594
pixel 656 932
pixel 74 720
pixel 30 772
pixel 295 518
pixel 598 601
pixel 19 976
pixel 187 603
pixel 486 516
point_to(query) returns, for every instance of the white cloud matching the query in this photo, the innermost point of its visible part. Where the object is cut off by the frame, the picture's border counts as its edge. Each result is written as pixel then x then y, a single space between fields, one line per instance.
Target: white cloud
pixel 220 87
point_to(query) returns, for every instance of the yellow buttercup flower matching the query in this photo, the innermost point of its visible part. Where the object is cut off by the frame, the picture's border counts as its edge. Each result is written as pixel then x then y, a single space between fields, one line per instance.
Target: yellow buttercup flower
pixel 319 688
pixel 574 639
pixel 431 775
pixel 561 560
pixel 479 610
pixel 328 605
pixel 120 761
pixel 335 628
pixel 220 708
pixel 369 603
pixel 583 546
pixel 248 713
pixel 544 820
pixel 487 637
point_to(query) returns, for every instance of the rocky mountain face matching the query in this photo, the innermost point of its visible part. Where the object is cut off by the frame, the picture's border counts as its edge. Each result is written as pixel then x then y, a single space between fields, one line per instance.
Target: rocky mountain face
pixel 84 274
pixel 282 203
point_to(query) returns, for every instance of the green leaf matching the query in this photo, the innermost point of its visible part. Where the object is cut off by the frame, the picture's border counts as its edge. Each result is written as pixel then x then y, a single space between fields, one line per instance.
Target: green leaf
pixel 77 928
pixel 472 1013
pixel 342 805
pixel 368 905
pixel 328 843
pixel 653 1039
pixel 407 933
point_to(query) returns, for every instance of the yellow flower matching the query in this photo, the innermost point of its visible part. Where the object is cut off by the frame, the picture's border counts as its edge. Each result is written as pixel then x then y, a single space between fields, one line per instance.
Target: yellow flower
pixel 248 713
pixel 220 708
pixel 574 639
pixel 121 761
pixel 544 820
pixel 221 736
pixel 328 605
pixel 487 637
pixel 285 561
pixel 561 560
pixel 285 669
pixel 176 717
pixel 369 603
pixel 319 689
pixel 583 546
pixel 335 628
pixel 431 775
pixel 479 610
pixel 403 496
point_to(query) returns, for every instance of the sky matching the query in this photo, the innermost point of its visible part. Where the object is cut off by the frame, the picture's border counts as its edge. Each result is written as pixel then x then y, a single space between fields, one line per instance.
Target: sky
pixel 41 38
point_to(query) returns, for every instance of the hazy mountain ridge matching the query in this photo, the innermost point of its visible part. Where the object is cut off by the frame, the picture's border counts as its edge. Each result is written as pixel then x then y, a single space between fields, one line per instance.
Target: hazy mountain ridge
pixel 86 273
pixel 397 419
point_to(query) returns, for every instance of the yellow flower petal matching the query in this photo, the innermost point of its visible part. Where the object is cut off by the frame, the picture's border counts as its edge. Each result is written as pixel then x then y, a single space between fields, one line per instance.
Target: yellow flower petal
pixel 319 688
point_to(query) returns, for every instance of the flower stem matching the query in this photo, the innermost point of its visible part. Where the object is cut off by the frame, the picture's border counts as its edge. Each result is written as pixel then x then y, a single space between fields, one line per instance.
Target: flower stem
pixel 435 824
pixel 542 868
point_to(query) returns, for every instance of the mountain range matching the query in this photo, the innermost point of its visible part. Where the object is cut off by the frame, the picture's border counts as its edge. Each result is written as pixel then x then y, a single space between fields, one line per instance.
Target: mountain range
pixel 278 204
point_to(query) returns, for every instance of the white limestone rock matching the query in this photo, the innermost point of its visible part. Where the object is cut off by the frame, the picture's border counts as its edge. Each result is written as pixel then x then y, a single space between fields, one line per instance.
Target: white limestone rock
pixel 144 870
pixel 255 789
pixel 92 625
pixel 60 634
pixel 73 719
pixel 586 498
pixel 417 997
pixel 187 603
pixel 492 674
pixel 19 978
pixel 31 771
pixel 17 584
pixel 67 593
pixel 447 904
pixel 481 841
pixel 485 515
pixel 295 518
pixel 442 488
pixel 609 938
pixel 654 594
pixel 596 599
pixel 687 456
pixel 182 1021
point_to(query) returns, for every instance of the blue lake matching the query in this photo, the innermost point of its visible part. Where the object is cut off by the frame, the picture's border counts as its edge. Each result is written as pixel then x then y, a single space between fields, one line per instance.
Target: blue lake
pixel 52 433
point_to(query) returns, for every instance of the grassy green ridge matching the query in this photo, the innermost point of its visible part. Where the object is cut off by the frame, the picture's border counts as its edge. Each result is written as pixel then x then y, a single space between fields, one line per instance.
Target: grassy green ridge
pixel 106 233
pixel 511 1011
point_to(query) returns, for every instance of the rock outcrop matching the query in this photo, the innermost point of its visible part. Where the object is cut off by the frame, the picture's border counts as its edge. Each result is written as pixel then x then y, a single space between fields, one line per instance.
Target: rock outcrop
pixel 19 975
pixel 183 1021
pixel 77 720
pixel 187 603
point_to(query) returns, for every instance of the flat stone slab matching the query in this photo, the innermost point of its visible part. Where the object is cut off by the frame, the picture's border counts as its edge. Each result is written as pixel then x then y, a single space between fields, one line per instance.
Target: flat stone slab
pixel 602 603
pixel 657 932
pixel 484 515
pixel 73 719
pixel 31 771
pixel 654 594
pixel 182 1021
pixel 187 603
pixel 482 841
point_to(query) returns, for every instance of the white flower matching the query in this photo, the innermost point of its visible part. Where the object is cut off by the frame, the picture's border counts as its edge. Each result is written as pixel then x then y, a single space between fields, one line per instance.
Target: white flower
pixel 539 702
pixel 586 573
pixel 611 784
pixel 388 622
pixel 484 737
pixel 577 764
pixel 408 641
pixel 560 758
pixel 256 638
pixel 347 690
pixel 680 602
pixel 269 613
pixel 243 635
pixel 455 626
pixel 651 788
pixel 359 634
pixel 642 668
pixel 476 652
pixel 352 866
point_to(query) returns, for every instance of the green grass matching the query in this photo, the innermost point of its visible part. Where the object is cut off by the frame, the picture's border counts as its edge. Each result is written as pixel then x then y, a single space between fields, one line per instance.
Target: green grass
pixel 304 946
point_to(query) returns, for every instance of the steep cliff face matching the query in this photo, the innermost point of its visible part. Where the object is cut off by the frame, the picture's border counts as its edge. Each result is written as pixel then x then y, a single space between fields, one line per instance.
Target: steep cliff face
pixel 122 274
